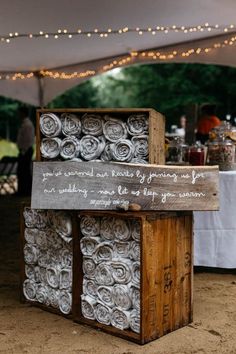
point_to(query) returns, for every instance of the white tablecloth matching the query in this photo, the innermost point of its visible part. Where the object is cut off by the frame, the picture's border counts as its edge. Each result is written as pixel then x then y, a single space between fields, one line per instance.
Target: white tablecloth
pixel 215 231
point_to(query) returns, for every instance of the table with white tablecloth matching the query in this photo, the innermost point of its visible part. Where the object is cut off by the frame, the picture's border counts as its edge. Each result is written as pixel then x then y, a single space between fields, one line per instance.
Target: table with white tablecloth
pixel 215 231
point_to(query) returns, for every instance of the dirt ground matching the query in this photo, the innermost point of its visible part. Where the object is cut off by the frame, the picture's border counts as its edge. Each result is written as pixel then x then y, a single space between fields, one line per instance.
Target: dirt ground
pixel 26 329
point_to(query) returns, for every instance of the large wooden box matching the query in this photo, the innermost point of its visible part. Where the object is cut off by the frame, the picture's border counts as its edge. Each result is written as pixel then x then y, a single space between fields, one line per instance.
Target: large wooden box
pixel 154 133
pixel 166 272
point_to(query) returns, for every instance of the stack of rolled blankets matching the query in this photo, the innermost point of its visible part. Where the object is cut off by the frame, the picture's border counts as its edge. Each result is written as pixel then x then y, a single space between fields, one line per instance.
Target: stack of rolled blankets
pixel 111 271
pixel 48 258
pixel 94 137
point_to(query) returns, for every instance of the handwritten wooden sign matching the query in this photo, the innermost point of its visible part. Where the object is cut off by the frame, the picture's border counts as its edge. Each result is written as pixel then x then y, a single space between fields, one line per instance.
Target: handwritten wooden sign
pixel 109 186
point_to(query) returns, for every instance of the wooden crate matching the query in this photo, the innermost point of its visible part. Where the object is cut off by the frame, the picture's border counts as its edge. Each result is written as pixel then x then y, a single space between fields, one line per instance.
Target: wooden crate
pixel 156 127
pixel 166 274
pixel 23 276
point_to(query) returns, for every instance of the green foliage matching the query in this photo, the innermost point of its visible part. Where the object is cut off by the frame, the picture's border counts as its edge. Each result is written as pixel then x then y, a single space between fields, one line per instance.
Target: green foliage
pixel 78 97
pixel 168 88
pixel 7 148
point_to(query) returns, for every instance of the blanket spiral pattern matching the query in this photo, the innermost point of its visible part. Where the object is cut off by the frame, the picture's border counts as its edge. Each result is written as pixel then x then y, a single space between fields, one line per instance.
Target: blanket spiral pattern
pixel 48 258
pixel 110 248
pixel 93 136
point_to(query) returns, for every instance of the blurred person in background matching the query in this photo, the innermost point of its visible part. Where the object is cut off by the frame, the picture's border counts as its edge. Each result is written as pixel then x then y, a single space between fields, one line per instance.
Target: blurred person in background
pixel 25 142
pixel 180 131
pixel 207 121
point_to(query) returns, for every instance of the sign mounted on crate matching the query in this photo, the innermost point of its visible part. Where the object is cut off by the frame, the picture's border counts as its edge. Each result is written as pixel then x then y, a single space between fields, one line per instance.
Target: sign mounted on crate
pixel 112 186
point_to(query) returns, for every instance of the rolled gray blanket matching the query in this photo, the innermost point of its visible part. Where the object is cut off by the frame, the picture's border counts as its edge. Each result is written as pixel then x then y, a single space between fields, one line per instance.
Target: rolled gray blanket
pixel 106 155
pixel 122 150
pixel 65 279
pixel 30 272
pixel 92 124
pixel 102 313
pixel 120 319
pixel 54 240
pixel 89 225
pixel 53 295
pixel 104 274
pixel 135 294
pixel 50 125
pixel 41 219
pixel 87 307
pixel 71 124
pixel 106 231
pixel 141 149
pixel 114 129
pixel 121 249
pixel 30 235
pixel 91 147
pixel 52 274
pixel 88 244
pixel 30 216
pixel 121 229
pixel 105 294
pixel 136 273
pixel 65 301
pixel 41 240
pixel 30 289
pixel 135 229
pixel 42 295
pixel 50 147
pixel 37 274
pixel 103 252
pixel 90 288
pixel 31 253
pixel 89 267
pixel 42 275
pixel 122 296
pixel 139 161
pixel 61 222
pixel 137 124
pixel 121 271
pixel 65 258
pixel 35 218
pixel 135 250
pixel 135 321
pixel 44 258
pixel 70 148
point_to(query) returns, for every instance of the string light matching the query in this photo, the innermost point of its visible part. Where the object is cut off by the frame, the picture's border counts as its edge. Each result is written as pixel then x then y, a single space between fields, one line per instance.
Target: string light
pixel 151 30
pixel 66 76
pixel 134 56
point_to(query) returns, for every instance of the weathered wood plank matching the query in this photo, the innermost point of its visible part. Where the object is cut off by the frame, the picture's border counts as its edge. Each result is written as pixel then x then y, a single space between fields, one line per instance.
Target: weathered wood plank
pixel 108 186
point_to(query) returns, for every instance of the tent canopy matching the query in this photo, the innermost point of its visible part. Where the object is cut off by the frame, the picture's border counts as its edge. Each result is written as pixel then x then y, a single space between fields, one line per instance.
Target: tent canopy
pixel 81 38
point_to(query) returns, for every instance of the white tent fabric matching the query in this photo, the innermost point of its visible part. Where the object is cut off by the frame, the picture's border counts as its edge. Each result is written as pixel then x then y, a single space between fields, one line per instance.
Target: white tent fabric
pixel 81 53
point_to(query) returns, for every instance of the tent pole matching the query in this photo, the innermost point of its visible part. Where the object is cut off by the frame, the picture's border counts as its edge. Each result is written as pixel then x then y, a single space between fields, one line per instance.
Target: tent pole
pixel 40 88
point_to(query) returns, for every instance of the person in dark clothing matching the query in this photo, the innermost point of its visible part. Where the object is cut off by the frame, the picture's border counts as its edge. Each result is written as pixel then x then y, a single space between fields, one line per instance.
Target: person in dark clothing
pixel 25 142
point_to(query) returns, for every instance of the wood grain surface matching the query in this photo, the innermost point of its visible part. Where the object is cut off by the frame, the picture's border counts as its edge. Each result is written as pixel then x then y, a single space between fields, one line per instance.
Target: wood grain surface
pixel 112 186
